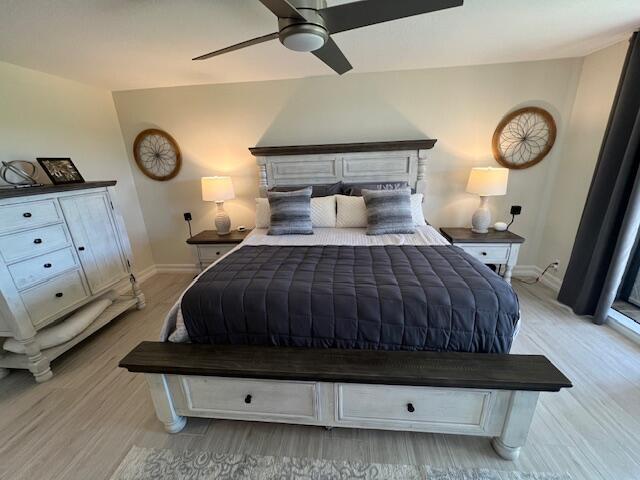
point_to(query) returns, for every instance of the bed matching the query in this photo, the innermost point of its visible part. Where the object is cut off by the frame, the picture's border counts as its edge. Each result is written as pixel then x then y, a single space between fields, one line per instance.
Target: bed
pixel 409 300
pixel 341 288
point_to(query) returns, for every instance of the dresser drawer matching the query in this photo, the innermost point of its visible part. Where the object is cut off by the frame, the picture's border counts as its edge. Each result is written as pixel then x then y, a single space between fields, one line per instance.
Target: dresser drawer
pixel 417 407
pixel 245 398
pixel 211 253
pixel 33 242
pixel 50 298
pixel 28 214
pixel 488 253
pixel 29 272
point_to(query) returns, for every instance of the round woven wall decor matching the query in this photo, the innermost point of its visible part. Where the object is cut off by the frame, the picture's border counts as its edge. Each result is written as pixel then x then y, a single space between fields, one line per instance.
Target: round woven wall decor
pixel 524 137
pixel 157 154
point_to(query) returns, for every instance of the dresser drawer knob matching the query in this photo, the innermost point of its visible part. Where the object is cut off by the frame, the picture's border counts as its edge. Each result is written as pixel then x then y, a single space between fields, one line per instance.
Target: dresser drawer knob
pixel 410 408
pixel 217 253
pixel 59 294
pixel 37 240
pixel 483 253
pixel 26 215
pixel 81 249
pixel 247 399
pixel 47 265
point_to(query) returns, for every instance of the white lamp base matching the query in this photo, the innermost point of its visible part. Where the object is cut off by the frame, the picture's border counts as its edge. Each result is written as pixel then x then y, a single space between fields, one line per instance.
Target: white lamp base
pixel 481 218
pixel 222 221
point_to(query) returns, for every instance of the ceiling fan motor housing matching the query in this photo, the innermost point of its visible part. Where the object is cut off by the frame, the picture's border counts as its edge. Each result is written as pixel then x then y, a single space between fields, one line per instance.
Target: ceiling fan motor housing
pixel 304 35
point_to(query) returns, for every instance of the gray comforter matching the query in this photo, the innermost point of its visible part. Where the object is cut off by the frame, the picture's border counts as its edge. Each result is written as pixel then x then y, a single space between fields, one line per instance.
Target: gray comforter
pixel 381 297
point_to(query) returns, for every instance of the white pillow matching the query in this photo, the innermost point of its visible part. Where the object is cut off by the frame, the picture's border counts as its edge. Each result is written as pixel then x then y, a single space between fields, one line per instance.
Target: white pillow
pixel 416 210
pixel 323 212
pixel 352 212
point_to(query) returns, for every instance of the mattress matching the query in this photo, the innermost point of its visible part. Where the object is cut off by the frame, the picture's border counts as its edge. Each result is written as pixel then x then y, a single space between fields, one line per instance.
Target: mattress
pixel 340 288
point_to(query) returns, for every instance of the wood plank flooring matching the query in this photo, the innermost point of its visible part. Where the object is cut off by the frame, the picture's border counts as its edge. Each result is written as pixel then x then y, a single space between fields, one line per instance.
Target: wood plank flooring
pixel 82 423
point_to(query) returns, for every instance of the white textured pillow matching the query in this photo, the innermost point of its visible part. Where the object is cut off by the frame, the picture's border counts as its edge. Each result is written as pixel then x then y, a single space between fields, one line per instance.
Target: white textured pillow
pixel 323 212
pixel 416 210
pixel 263 213
pixel 352 212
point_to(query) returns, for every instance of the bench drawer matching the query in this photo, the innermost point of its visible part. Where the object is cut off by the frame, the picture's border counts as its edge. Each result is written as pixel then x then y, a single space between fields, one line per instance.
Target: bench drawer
pixel 241 398
pixel 28 214
pixel 37 269
pixel 407 407
pixel 33 242
pixel 488 253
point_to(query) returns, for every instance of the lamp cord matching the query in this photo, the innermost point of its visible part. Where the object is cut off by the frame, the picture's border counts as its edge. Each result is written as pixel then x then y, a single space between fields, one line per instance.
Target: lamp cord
pixel 513 218
pixel 189 224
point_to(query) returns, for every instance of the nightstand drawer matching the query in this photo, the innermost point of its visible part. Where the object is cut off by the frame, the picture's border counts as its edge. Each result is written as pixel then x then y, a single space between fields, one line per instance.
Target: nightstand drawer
pixel 211 253
pixel 487 253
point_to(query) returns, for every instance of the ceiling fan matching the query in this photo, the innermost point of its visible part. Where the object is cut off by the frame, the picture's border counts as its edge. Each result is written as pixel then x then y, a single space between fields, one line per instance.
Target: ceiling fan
pixel 307 25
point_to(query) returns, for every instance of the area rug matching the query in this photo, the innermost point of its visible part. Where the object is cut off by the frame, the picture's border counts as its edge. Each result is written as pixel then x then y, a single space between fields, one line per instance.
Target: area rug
pixel 151 463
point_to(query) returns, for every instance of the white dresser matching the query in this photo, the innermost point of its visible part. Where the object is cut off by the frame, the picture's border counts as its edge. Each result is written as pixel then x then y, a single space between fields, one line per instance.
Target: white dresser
pixel 61 247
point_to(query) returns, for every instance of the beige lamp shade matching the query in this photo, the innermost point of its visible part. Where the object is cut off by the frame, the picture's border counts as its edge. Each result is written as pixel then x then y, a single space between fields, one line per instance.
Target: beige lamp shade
pixel 488 181
pixel 217 189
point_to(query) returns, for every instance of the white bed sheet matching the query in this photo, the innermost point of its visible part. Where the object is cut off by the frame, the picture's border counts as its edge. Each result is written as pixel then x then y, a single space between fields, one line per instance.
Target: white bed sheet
pixel 173 328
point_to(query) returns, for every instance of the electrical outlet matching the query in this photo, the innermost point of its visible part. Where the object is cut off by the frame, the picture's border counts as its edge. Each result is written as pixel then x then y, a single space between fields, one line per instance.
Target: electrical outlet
pixel 555 264
pixel 187 216
pixel 516 210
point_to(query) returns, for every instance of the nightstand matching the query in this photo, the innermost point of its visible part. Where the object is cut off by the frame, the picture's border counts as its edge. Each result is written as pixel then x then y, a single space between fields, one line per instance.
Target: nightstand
pixel 497 248
pixel 210 246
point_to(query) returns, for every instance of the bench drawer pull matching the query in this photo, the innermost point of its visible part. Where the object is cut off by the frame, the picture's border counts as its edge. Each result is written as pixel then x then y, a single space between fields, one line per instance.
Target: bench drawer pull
pixel 247 399
pixel 410 408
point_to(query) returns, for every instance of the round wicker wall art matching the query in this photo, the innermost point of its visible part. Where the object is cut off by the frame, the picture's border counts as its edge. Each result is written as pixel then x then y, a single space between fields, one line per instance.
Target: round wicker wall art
pixel 157 154
pixel 524 137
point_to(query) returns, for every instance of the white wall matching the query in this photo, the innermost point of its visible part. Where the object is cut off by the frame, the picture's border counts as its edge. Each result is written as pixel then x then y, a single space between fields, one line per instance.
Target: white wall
pixel 215 124
pixel 43 115
pixel 594 98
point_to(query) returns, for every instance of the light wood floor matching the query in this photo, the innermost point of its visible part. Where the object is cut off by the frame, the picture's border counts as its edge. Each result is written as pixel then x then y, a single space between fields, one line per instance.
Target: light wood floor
pixel 81 424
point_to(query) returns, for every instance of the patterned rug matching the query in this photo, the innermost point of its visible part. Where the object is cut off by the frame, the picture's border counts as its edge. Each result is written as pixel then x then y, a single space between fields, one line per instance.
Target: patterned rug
pixel 150 463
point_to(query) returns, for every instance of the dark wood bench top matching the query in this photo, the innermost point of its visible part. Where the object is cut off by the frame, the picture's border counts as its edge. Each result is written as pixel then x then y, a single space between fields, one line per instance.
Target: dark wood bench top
pixel 433 369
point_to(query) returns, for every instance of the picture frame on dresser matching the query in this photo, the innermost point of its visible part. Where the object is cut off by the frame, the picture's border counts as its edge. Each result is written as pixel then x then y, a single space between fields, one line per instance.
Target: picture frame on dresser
pixel 61 171
pixel 62 247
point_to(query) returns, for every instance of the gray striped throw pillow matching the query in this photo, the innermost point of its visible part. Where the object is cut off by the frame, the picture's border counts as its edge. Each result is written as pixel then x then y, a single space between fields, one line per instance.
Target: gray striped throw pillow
pixel 388 211
pixel 290 212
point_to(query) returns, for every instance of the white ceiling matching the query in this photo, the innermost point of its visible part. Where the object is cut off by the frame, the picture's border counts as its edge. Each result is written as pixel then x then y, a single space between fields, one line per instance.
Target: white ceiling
pixel 129 44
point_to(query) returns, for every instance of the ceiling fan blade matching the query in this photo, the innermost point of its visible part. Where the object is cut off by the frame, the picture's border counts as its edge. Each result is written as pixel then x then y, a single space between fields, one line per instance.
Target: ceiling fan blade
pixel 349 16
pixel 238 46
pixel 331 54
pixel 282 9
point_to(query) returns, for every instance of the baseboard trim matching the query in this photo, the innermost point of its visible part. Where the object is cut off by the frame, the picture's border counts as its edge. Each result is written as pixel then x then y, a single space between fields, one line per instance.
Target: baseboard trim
pixel 533 271
pixel 176 268
pixel 146 274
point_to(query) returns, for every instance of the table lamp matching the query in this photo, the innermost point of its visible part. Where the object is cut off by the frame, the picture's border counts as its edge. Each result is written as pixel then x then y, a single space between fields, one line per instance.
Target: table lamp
pixel 486 182
pixel 219 189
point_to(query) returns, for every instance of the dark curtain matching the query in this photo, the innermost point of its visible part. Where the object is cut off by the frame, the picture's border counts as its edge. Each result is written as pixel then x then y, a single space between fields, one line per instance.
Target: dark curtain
pixel 611 217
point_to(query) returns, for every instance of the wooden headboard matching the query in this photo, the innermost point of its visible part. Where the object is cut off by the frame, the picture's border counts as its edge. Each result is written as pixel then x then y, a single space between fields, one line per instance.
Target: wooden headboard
pixel 348 162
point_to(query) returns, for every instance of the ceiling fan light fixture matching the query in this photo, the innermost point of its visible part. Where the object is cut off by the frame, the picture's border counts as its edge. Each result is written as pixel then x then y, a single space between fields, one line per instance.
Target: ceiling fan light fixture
pixel 303 37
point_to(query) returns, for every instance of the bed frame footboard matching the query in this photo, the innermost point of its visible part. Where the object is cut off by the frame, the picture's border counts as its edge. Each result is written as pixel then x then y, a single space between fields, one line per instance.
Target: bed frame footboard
pixel 466 394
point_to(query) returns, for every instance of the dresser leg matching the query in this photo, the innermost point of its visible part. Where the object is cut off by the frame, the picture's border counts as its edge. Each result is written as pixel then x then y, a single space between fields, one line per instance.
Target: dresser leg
pixel 138 293
pixel 38 363
pixel 4 372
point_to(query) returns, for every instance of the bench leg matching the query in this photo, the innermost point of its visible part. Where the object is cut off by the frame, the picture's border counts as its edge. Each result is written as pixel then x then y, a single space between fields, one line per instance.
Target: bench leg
pixel 163 403
pixel 516 425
